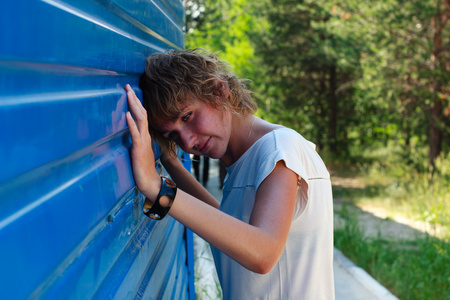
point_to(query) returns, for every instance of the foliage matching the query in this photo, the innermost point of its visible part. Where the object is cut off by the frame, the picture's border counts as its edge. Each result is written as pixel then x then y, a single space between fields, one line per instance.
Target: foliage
pixel 341 73
pixel 406 70
pixel 312 65
pixel 223 27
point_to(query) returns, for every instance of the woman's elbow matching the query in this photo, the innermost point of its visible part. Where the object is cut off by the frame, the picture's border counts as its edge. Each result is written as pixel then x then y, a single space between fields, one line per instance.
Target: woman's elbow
pixel 262 265
pixel 264 268
pixel 262 259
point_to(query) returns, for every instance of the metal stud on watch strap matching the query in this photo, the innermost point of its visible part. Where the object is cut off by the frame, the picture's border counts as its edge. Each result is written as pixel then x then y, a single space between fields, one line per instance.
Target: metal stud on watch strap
pixel 154 209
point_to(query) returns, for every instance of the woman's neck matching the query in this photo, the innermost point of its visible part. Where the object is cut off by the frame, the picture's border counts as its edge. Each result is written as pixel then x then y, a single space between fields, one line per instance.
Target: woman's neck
pixel 241 131
pixel 244 133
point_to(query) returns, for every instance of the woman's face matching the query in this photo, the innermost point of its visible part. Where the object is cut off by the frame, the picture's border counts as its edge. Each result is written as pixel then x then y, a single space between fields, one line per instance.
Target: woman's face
pixel 199 129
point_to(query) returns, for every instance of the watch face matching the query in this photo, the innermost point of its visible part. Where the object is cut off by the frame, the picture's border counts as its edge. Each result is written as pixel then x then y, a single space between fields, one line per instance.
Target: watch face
pixel 170 183
pixel 147 205
pixel 154 209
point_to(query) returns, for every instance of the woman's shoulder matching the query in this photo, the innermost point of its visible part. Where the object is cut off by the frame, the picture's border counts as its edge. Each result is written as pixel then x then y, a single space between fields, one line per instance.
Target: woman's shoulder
pixel 264 128
pixel 284 137
pixel 287 136
pixel 274 143
pixel 270 141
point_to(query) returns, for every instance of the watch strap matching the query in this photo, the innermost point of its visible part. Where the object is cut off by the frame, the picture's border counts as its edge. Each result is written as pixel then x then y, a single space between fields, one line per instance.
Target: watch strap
pixel 155 210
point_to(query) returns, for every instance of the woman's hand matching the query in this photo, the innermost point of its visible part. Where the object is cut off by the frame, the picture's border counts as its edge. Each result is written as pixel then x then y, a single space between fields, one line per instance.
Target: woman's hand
pixel 145 175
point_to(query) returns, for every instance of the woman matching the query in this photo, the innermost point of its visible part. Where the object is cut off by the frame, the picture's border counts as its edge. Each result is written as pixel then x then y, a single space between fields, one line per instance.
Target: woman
pixel 272 234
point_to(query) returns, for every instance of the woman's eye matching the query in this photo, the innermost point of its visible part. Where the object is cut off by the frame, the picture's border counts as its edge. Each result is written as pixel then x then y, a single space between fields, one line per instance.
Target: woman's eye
pixel 186 117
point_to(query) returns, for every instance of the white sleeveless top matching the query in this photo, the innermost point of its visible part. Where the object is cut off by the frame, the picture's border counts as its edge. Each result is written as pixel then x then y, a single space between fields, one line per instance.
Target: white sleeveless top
pixel 305 269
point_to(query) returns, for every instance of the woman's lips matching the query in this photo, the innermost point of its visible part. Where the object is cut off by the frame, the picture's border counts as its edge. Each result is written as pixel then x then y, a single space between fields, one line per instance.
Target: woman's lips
pixel 205 146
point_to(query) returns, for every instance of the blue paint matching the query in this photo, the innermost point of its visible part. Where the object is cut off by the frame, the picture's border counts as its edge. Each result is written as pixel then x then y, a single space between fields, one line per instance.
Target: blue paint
pixel 71 222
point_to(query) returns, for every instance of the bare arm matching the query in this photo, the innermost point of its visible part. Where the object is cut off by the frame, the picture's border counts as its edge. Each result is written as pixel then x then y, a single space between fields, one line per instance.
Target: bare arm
pixel 257 245
pixel 186 181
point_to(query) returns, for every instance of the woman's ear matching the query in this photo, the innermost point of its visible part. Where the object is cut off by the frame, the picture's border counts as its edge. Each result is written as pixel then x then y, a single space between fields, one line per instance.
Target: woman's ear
pixel 223 89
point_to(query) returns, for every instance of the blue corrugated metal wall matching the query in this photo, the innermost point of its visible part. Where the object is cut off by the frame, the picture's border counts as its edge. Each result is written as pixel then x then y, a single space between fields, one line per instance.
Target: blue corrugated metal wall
pixel 71 222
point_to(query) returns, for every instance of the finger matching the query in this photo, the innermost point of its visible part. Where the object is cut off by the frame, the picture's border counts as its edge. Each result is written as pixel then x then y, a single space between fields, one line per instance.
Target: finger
pixel 134 131
pixel 137 109
pixel 139 112
pixel 132 99
pixel 137 101
pixel 139 104
pixel 133 102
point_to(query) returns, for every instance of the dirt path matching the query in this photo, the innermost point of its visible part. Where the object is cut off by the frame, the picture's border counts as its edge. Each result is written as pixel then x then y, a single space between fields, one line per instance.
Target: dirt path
pixel 376 219
pixel 374 225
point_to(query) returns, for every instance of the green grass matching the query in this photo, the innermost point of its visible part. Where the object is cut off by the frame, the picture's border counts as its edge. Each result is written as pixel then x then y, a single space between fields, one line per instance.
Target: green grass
pixel 418 269
pixel 403 185
pixel 400 182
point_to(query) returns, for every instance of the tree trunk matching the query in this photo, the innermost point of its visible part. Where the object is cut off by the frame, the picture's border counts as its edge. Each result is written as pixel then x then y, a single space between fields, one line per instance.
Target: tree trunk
pixel 439 21
pixel 332 116
pixel 435 142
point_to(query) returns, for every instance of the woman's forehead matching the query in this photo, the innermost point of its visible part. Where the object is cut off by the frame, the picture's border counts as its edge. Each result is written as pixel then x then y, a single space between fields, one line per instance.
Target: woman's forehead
pixel 162 122
pixel 167 111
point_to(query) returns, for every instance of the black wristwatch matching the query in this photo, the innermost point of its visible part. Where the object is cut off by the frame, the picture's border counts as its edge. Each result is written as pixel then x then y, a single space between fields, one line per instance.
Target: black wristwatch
pixel 154 210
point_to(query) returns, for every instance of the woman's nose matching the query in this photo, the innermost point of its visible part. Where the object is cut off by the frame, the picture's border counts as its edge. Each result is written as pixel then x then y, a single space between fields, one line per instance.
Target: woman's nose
pixel 187 138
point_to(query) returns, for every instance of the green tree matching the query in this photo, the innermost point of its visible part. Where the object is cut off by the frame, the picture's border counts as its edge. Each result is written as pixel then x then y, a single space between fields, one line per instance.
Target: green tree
pixel 345 74
pixel 223 27
pixel 312 65
pixel 407 67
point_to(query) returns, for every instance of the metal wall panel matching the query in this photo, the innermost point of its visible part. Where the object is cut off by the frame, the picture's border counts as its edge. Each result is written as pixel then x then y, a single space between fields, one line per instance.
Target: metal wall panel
pixel 71 222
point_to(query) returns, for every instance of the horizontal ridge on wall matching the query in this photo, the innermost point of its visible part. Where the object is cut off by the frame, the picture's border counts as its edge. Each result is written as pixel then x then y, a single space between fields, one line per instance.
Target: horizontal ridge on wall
pixel 71 221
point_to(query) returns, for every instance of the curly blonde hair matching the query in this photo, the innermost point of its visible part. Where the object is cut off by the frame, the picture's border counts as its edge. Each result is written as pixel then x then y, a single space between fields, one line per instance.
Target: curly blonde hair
pixel 175 77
